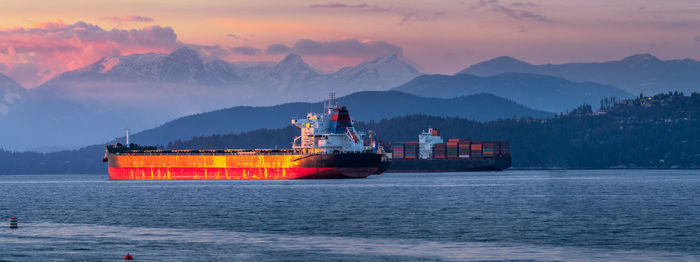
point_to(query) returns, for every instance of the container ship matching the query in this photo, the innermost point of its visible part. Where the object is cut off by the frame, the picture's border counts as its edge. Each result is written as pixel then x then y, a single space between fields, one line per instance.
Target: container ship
pixel 329 147
pixel 431 154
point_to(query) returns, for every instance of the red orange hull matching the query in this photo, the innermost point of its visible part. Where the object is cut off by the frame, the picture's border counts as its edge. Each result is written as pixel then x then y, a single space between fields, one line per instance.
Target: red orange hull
pixel 155 166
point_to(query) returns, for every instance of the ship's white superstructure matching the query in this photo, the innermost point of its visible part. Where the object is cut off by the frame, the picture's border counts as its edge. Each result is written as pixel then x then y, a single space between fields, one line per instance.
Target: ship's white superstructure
pixel 331 132
pixel 426 140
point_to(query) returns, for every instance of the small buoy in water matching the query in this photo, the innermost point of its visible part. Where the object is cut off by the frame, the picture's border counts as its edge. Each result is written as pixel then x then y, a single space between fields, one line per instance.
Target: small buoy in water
pixel 128 257
pixel 13 222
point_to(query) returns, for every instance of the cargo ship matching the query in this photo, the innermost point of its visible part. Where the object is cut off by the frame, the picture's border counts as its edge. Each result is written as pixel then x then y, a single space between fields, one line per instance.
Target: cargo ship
pixel 431 154
pixel 329 147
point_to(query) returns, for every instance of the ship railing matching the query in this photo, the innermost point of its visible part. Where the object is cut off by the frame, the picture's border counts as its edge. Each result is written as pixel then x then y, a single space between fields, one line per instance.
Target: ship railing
pixel 294 143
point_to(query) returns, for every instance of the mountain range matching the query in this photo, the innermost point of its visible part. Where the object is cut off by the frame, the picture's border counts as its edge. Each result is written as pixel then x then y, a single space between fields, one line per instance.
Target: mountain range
pixel 183 70
pixel 637 73
pixel 95 103
pixel 543 92
pixel 364 106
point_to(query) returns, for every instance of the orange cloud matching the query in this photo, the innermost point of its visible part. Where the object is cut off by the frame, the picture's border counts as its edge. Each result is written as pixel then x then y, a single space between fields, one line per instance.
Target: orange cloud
pixel 35 54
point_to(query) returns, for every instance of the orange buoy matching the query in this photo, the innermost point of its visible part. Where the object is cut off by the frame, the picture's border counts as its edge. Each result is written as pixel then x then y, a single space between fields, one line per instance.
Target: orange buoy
pixel 128 257
pixel 13 222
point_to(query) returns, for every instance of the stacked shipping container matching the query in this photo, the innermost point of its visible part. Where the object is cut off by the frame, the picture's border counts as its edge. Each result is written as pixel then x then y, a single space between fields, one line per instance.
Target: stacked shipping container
pixel 439 151
pixel 454 149
pixel 411 150
pixel 464 150
pixel 488 149
pixel 476 148
pixel 397 150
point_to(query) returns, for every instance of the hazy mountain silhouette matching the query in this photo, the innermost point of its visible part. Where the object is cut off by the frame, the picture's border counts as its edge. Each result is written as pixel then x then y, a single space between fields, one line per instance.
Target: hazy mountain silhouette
pixel 635 74
pixel 548 93
pixel 363 106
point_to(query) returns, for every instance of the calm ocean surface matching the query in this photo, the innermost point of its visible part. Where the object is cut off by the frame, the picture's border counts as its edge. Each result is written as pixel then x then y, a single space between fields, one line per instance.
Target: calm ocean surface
pixel 616 215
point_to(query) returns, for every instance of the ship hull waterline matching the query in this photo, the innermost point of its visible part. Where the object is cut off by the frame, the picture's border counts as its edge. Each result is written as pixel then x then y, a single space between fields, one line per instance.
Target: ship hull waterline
pixel 449 165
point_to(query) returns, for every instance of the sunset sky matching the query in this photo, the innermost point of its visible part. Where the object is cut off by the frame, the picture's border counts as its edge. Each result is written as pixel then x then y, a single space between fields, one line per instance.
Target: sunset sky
pixel 39 39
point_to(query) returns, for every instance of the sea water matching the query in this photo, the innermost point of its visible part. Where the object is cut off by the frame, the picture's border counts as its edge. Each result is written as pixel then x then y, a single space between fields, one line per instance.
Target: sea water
pixel 582 215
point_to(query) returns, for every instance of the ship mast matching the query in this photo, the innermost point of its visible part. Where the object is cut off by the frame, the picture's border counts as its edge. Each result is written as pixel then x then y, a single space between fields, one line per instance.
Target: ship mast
pixel 332 103
pixel 127 136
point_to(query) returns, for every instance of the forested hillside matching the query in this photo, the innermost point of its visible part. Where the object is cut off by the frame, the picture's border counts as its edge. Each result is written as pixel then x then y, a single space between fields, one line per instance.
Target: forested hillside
pixel 657 132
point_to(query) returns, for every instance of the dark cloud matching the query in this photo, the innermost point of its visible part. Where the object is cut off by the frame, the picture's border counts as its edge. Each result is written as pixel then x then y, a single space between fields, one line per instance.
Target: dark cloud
pixel 523 4
pixel 416 16
pixel 136 18
pixel 346 47
pixel 482 3
pixel 697 39
pixel 246 50
pixel 407 14
pixel 376 8
pixel 520 14
pixel 515 13
pixel 278 49
pixel 337 5
pixel 128 18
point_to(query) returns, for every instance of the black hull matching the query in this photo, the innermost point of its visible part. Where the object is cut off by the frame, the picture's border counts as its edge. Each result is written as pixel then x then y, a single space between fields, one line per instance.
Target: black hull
pixel 383 166
pixel 450 165
pixel 346 165
pixel 344 160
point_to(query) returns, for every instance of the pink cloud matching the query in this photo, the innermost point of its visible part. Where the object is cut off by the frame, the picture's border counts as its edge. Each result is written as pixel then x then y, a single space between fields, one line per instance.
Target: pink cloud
pixel 35 54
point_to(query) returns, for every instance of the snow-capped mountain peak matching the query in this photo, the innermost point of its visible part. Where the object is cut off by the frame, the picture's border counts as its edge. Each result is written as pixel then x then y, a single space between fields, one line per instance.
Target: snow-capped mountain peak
pixel 290 74
pixel 381 73
pixel 109 63
pixel 292 62
pixel 383 63
pixel 641 59
pixel 385 59
pixel 10 92
pixel 185 54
